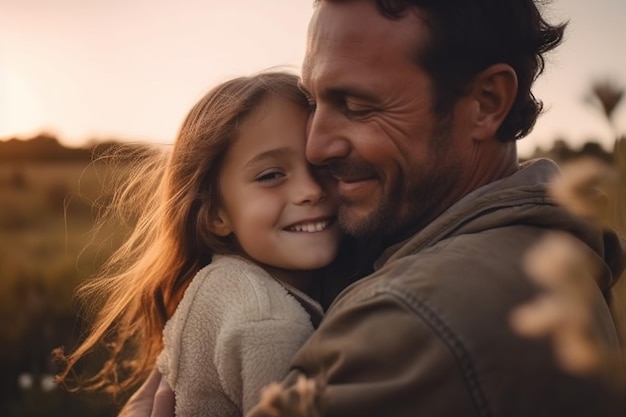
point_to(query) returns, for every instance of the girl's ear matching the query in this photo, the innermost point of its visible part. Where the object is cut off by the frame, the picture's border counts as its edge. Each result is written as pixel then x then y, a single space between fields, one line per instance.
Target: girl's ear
pixel 220 224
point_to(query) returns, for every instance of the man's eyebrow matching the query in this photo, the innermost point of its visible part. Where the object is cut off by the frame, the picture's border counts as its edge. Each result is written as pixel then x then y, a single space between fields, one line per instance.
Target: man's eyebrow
pixel 352 92
pixel 342 91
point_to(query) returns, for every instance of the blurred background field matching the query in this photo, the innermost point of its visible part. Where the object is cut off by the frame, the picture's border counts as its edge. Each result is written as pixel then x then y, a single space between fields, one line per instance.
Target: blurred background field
pixel 49 199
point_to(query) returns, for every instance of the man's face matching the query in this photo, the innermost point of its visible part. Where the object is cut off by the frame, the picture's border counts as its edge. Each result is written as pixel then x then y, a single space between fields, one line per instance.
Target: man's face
pixel 397 165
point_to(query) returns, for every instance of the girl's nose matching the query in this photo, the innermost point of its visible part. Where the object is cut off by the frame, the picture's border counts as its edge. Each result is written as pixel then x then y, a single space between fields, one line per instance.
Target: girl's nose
pixel 309 190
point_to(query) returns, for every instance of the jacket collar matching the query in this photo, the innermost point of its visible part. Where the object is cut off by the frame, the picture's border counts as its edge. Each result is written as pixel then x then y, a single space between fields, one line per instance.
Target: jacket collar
pixel 520 198
pixel 536 172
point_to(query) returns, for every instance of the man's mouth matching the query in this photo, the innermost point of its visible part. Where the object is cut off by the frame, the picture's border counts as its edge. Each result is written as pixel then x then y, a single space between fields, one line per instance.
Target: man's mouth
pixel 351 172
pixel 309 226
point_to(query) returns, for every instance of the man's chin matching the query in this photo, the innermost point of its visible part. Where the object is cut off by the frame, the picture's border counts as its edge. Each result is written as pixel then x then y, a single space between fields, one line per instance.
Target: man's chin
pixel 359 222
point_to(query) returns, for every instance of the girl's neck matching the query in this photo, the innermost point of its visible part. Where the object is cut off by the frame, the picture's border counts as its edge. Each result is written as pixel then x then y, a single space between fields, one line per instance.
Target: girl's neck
pixel 301 280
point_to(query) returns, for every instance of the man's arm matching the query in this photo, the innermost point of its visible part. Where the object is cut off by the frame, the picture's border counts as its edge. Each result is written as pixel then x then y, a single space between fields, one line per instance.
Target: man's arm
pixel 380 357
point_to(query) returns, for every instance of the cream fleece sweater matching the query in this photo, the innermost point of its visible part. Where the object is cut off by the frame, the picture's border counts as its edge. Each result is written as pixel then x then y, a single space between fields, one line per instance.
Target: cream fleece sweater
pixel 235 330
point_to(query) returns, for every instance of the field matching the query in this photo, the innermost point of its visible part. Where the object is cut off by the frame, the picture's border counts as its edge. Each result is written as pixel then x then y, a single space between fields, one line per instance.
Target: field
pixel 46 249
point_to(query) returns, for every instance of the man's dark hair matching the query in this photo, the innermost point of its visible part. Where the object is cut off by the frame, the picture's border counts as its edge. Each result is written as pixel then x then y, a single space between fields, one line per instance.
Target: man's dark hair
pixel 468 36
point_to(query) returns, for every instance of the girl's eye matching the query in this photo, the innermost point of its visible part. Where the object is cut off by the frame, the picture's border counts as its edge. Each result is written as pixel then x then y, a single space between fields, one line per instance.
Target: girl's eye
pixel 269 176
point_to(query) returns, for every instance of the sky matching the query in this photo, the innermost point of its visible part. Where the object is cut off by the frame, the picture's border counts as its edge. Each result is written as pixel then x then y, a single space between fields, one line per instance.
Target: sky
pixel 86 70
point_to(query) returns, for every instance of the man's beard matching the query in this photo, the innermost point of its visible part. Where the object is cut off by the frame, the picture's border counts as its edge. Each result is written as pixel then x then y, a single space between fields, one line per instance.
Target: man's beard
pixel 390 220
pixel 367 227
pixel 401 212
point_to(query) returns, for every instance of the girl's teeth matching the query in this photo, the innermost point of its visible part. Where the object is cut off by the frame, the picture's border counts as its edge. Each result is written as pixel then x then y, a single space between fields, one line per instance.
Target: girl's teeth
pixel 310 227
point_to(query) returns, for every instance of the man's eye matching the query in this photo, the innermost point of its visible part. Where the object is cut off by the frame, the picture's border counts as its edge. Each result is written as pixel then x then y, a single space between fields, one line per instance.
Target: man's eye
pixel 356 110
pixel 312 104
pixel 269 176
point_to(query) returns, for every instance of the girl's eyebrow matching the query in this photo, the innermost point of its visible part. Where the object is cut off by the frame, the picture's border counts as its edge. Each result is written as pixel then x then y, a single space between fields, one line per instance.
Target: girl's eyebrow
pixel 284 153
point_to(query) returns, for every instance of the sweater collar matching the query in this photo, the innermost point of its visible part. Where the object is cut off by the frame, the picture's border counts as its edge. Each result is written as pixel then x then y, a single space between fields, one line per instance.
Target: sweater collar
pixel 312 307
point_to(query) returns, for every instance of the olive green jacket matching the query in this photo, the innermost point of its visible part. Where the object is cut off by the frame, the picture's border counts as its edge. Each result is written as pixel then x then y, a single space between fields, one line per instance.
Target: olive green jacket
pixel 428 333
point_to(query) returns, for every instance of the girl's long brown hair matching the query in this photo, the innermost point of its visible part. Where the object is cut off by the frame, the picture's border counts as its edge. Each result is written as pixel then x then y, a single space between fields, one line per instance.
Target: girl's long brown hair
pixel 174 195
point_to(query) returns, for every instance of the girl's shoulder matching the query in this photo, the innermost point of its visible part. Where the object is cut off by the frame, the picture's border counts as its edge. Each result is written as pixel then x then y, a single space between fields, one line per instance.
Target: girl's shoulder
pixel 234 288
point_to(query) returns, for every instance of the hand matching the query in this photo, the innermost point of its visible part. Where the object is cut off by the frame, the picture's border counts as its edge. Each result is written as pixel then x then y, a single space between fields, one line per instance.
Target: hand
pixel 153 399
pixel 300 400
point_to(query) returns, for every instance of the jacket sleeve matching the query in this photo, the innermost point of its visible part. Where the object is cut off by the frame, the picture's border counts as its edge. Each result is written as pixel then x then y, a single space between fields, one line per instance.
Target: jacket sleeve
pixel 252 354
pixel 382 357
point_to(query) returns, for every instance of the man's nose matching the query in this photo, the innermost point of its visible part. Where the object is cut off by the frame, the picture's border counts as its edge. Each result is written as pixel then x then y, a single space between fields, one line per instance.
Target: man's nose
pixel 324 139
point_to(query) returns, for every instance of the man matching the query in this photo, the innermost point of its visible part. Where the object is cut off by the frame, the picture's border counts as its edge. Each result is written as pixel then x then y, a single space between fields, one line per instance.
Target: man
pixel 416 106
pixel 416 109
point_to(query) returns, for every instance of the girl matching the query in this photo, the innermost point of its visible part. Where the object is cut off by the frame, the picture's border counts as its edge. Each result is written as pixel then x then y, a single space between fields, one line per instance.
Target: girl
pixel 225 254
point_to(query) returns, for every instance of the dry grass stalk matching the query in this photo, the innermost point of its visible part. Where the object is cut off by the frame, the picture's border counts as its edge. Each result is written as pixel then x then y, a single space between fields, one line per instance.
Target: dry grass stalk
pixel 303 399
pixel 563 267
pixel 595 190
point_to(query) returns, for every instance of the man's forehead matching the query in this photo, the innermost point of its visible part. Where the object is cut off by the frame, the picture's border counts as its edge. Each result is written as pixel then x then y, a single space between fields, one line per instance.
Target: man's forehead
pixel 346 21
pixel 356 31
pixel 333 31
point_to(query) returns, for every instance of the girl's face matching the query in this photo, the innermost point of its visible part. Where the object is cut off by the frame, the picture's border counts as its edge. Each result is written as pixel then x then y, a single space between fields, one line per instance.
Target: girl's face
pixel 281 214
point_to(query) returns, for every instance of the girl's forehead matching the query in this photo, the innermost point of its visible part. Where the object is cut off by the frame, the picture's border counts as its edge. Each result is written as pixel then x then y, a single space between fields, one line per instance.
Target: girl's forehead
pixel 276 129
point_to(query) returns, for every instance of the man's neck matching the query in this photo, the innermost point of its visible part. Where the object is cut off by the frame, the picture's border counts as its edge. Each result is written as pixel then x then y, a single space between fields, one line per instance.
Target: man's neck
pixel 500 161
pixel 490 165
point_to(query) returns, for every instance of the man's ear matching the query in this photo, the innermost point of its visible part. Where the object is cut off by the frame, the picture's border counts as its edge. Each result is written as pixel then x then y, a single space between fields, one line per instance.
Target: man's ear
pixel 220 224
pixel 494 91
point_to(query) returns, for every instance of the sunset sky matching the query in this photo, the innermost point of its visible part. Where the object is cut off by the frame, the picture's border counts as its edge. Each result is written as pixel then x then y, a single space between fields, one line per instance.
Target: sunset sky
pixel 131 69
